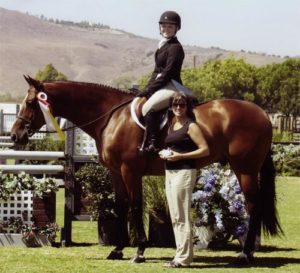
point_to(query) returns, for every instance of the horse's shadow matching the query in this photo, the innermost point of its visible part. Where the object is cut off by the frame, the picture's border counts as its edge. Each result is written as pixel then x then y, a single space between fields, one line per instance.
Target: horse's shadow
pixel 237 248
pixel 231 261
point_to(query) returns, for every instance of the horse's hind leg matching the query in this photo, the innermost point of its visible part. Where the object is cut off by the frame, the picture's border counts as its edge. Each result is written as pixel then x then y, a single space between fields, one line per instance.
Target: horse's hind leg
pixel 249 185
pixel 121 209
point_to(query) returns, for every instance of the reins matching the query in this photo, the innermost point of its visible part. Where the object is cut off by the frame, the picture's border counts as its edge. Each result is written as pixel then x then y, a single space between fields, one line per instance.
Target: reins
pixel 90 122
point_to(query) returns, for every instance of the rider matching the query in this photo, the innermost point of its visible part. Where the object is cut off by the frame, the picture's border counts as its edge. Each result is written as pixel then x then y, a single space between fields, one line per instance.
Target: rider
pixel 168 62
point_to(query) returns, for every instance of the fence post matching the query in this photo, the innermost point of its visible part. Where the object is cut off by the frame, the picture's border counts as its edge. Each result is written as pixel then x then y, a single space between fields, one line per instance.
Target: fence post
pixel 66 233
pixel 1 122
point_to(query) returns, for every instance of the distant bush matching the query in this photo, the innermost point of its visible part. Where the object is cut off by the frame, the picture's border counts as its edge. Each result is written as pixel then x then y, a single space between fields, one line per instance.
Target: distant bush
pixel 282 136
pixel 46 144
pixel 286 159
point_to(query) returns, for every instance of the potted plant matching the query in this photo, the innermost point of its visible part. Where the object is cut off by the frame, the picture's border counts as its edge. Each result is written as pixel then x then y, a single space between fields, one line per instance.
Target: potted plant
pixel 96 183
pixel 219 206
pixel 33 201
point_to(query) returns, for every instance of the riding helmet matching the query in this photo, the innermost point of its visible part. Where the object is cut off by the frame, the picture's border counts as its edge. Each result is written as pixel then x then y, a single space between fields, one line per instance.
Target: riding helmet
pixel 170 17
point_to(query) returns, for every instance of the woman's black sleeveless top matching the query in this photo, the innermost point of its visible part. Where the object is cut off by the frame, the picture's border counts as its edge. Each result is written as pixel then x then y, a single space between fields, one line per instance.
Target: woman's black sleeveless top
pixel 179 141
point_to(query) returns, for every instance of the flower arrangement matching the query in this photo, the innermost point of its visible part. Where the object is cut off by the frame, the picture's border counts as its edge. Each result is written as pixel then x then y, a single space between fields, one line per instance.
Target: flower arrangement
pixel 219 204
pixel 15 183
pixel 11 183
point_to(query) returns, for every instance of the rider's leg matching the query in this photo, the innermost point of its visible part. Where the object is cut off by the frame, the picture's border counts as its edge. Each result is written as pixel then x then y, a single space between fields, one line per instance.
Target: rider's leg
pixel 158 101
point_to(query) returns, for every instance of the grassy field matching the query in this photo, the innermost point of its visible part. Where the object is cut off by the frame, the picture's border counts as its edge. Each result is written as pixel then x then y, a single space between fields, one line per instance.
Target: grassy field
pixel 276 254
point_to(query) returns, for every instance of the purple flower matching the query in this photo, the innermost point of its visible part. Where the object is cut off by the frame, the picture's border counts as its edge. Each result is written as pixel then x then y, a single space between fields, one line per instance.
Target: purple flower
pixel 211 180
pixel 237 189
pixel 238 205
pixel 240 230
pixel 208 187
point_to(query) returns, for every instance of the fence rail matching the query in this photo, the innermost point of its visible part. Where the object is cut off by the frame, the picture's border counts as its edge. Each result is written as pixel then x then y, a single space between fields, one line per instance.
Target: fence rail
pixel 38 155
pixel 31 155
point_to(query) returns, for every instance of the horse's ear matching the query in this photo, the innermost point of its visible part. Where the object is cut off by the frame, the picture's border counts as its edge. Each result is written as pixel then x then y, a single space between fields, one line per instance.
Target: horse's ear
pixel 33 82
pixel 27 79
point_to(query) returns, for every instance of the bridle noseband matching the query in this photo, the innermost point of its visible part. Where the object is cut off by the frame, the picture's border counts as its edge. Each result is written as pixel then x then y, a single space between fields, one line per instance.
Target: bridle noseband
pixel 28 122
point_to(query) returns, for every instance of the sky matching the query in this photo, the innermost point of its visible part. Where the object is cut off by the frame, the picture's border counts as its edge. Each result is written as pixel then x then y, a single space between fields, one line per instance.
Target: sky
pixel 262 26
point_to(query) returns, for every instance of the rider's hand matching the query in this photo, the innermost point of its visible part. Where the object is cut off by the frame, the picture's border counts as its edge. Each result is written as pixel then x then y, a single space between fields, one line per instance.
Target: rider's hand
pixel 145 93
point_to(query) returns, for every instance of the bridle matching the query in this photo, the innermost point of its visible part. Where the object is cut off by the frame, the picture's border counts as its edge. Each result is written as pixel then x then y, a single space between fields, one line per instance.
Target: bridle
pixel 28 123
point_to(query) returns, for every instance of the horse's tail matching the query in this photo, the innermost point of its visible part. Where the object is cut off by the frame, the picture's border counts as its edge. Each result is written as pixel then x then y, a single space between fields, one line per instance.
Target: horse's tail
pixel 270 222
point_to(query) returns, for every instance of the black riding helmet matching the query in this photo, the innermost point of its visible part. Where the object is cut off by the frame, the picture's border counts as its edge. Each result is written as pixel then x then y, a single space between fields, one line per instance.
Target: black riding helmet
pixel 170 17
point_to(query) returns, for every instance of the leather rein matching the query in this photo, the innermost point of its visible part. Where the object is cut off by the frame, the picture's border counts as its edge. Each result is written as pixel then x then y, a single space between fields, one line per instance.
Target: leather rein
pixel 31 132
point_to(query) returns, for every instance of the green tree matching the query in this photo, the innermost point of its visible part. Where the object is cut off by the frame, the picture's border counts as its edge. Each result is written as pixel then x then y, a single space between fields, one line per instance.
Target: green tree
pixel 229 78
pixel 50 73
pixel 279 87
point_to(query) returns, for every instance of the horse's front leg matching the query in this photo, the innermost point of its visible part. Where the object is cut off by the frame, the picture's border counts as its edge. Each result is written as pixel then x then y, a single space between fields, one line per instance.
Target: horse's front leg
pixel 133 183
pixel 121 208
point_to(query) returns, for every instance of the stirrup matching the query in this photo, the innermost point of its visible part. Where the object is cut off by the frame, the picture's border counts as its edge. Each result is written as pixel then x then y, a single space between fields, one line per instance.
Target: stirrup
pixel 150 149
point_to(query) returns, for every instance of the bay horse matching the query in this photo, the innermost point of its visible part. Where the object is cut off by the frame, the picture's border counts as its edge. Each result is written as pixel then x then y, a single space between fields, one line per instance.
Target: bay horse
pixel 237 132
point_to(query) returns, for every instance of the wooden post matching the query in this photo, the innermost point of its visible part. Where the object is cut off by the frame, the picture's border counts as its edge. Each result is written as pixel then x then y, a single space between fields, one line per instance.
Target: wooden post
pixel 1 122
pixel 66 233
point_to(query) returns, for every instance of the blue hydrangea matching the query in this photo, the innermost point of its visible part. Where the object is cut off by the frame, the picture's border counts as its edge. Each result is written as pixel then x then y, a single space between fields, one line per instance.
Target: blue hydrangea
pixel 219 203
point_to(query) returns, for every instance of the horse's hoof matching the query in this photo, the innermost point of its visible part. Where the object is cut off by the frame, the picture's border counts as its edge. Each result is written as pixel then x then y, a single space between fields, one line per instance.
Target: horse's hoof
pixel 138 259
pixel 244 259
pixel 115 255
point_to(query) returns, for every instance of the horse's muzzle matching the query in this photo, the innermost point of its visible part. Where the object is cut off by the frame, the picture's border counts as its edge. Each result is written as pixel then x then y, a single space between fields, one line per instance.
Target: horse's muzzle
pixel 21 138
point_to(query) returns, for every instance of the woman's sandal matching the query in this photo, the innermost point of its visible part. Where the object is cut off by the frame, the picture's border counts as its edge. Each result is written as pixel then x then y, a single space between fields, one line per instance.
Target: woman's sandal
pixel 174 264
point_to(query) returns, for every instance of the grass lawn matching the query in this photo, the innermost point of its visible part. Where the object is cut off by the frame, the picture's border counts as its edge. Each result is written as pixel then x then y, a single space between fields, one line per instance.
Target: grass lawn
pixel 276 254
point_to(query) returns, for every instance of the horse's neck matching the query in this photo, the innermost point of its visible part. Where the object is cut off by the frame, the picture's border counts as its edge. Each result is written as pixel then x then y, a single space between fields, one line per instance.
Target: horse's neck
pixel 84 105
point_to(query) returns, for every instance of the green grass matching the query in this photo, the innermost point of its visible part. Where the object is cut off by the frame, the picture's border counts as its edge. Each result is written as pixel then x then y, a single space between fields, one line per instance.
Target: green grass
pixel 276 254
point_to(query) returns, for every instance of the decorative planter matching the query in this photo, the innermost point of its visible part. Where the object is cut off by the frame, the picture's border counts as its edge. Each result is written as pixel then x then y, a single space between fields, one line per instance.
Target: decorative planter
pixel 44 210
pixel 30 209
pixel 203 237
pixel 13 239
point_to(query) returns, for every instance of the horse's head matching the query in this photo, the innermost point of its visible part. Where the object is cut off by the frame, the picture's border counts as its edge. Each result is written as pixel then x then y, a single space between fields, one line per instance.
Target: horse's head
pixel 30 117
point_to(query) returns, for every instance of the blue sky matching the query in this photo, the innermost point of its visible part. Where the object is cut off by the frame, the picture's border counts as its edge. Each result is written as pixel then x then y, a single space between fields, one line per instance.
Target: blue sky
pixel 264 26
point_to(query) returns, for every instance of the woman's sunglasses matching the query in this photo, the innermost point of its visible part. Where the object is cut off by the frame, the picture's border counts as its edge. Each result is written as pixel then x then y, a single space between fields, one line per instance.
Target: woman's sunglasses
pixel 180 105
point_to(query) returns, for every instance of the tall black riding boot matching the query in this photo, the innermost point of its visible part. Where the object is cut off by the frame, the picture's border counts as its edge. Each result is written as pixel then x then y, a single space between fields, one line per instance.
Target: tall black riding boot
pixel 152 131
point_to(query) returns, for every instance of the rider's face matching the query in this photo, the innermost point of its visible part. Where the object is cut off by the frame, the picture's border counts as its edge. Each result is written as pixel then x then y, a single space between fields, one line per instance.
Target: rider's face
pixel 167 30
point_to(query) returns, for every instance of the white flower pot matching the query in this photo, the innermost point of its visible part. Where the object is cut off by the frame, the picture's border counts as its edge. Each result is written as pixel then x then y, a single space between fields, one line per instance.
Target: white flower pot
pixel 203 237
pixel 15 239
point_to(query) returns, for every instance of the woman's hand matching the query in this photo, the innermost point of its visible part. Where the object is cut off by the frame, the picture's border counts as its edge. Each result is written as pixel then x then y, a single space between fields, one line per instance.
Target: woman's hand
pixel 170 155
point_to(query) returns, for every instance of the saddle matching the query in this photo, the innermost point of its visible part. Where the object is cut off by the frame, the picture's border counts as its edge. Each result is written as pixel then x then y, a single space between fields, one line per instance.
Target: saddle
pixel 136 114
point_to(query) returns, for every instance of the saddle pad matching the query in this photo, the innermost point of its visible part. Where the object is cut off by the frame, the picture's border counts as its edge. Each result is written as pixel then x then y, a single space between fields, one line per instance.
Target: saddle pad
pixel 137 117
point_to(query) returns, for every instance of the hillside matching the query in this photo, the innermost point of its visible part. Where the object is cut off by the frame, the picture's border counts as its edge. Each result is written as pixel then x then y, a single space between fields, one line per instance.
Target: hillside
pixel 100 56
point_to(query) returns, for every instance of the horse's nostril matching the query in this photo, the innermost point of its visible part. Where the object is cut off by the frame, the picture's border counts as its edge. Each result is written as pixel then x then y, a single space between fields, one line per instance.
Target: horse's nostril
pixel 13 137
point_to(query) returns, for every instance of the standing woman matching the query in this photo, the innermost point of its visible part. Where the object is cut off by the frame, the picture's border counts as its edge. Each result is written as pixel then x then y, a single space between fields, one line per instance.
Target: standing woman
pixel 168 62
pixel 185 143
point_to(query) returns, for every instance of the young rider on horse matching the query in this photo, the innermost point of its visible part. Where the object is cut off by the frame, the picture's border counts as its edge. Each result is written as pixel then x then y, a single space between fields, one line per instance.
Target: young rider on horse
pixel 168 62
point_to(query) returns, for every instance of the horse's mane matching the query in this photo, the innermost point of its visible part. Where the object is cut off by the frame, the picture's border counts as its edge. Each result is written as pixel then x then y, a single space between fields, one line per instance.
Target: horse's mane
pixel 95 85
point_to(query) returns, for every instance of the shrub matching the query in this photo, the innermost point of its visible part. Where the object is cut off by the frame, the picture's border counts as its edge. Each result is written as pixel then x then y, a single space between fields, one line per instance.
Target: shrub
pixel 11 183
pixel 286 159
pixel 97 187
pixel 46 144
